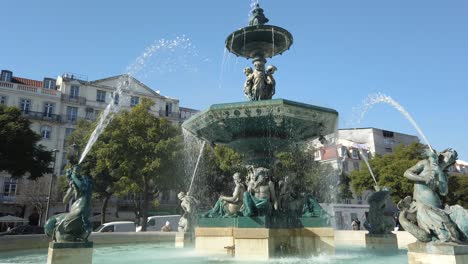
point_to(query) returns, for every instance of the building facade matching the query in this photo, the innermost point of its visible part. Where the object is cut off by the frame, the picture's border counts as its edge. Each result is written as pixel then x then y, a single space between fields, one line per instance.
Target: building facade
pixel 55 105
pixel 344 154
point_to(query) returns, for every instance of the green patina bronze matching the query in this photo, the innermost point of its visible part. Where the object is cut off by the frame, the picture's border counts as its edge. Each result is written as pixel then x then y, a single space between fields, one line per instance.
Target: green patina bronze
pixel 73 226
pixel 377 222
pixel 423 215
pixel 258 129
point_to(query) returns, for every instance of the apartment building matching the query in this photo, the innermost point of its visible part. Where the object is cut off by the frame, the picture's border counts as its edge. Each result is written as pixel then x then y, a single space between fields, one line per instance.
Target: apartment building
pixel 54 105
pixel 344 154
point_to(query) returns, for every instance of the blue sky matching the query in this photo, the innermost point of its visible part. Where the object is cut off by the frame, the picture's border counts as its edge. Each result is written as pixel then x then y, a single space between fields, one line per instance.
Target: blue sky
pixel 415 51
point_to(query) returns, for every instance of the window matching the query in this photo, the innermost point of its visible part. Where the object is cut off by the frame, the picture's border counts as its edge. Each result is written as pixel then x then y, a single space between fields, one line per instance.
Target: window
pixel 25 105
pixel 3 99
pixel 134 100
pixel 359 198
pixel 101 96
pixel 389 141
pixel 49 83
pixel 6 76
pixel 72 113
pixel 74 91
pixel 48 109
pixel 116 98
pixel 109 228
pixel 317 155
pixel 355 154
pixel 9 187
pixel 168 109
pixel 389 150
pixel 344 152
pixel 356 165
pixel 90 113
pixel 46 132
pixel 345 166
pixel 387 133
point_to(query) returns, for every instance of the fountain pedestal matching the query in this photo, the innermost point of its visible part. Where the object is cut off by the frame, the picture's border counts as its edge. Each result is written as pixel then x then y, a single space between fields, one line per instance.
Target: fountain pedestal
pixel 183 240
pixel 265 243
pixel 70 253
pixel 382 242
pixel 436 253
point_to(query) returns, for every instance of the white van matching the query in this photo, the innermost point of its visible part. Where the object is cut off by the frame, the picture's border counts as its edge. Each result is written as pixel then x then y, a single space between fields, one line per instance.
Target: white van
pixel 155 223
pixel 121 226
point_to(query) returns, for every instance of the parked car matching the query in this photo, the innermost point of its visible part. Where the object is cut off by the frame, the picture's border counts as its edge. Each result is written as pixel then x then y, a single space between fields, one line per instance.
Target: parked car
pixel 155 223
pixel 120 226
pixel 24 230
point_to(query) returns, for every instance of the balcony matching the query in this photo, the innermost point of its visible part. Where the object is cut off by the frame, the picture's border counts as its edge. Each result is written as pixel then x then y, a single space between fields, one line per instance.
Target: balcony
pixel 7 199
pixel 41 116
pixel 173 115
pixel 29 89
pixel 73 99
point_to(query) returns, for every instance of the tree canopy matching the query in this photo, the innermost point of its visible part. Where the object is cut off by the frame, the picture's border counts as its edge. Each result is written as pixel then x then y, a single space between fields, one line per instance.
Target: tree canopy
pixel 389 170
pixel 20 153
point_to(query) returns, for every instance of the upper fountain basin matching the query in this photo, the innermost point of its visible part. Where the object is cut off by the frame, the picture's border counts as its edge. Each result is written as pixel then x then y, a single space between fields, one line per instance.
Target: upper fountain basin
pixel 258 129
pixel 264 41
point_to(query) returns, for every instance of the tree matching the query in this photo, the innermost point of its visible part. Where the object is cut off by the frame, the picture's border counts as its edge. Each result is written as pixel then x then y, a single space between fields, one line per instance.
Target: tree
pixel 316 178
pixel 19 152
pixel 145 151
pixel 100 163
pixel 458 190
pixel 389 170
pixel 213 177
pixel 35 193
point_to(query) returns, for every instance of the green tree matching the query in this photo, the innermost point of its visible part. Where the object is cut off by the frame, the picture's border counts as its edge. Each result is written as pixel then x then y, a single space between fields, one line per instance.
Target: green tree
pixel 99 163
pixel 213 178
pixel 145 151
pixel 389 170
pixel 314 177
pixel 458 190
pixel 20 153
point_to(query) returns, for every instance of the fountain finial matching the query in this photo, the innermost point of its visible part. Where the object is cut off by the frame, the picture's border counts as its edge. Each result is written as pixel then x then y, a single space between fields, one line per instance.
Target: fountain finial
pixel 258 18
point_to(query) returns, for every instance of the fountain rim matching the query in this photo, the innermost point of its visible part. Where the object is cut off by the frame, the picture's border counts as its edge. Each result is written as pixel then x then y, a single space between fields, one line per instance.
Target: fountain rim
pixel 261 103
pixel 241 31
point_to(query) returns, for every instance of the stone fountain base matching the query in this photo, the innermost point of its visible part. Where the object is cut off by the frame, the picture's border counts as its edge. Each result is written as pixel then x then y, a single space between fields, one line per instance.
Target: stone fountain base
pixel 70 253
pixel 436 253
pixel 382 242
pixel 264 243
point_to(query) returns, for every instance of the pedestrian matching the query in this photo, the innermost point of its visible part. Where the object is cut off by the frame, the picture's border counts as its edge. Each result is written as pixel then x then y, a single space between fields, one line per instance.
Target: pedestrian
pixel 354 225
pixel 166 227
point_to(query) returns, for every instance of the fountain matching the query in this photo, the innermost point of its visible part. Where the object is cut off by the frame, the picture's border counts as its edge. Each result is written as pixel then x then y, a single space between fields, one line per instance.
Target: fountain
pixel 253 224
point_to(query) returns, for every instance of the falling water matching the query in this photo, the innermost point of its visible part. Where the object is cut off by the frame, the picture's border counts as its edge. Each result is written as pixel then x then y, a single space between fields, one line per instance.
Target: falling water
pixel 364 157
pixel 382 98
pixel 196 165
pixel 125 81
pixel 273 41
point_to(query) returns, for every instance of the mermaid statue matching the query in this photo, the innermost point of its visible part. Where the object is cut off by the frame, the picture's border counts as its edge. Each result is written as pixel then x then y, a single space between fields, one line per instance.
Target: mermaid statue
pixel 73 226
pixel 423 214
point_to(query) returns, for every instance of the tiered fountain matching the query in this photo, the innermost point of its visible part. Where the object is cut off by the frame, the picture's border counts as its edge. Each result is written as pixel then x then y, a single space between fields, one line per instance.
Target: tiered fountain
pixel 269 217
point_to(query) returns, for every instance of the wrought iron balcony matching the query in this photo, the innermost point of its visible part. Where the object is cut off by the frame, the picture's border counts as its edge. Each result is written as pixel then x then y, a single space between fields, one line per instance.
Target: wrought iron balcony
pixel 67 98
pixel 41 116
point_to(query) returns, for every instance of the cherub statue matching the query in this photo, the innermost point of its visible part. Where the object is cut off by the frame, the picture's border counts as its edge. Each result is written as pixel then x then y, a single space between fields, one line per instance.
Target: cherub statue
pixel 249 93
pixel 189 204
pixel 270 81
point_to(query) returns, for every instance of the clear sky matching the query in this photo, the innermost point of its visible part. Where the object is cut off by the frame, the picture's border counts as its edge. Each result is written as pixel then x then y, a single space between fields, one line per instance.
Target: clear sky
pixel 415 51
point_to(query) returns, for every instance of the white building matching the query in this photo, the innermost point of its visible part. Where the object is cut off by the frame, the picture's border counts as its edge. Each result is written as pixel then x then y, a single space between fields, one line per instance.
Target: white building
pixel 345 153
pixel 55 105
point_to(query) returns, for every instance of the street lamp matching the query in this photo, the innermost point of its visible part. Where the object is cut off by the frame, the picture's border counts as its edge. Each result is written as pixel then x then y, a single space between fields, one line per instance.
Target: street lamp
pixel 50 184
